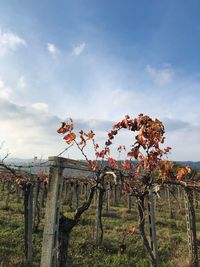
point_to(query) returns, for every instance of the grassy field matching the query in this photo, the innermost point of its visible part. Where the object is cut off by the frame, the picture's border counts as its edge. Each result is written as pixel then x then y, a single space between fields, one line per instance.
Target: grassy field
pixel 171 234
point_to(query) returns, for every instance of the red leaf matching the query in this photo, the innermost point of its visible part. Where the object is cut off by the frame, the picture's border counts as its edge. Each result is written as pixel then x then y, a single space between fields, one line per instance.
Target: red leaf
pixel 96 146
pixel 112 162
pixel 126 165
pixel 108 143
pixel 137 169
pixel 167 149
pixel 65 128
pixel 92 165
pixel 134 152
pixel 69 138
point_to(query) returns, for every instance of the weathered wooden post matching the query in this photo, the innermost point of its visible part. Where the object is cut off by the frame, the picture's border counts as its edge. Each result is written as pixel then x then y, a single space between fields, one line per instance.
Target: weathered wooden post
pixel 36 205
pixel 108 189
pixel 191 226
pixel 64 193
pixel 50 235
pixel 41 198
pixel 179 197
pixel 115 199
pixel 169 203
pixel 152 224
pixel 77 192
pixel 28 208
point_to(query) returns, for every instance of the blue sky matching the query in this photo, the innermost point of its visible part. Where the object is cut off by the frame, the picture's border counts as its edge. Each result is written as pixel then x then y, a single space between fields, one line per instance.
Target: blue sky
pixel 96 61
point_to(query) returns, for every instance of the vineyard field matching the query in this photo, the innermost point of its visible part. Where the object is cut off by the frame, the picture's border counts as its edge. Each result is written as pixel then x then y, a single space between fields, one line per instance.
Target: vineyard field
pixel 171 234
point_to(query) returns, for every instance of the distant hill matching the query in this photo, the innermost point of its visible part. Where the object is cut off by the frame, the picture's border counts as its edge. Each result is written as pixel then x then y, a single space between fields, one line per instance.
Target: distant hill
pixel 192 164
pixel 23 162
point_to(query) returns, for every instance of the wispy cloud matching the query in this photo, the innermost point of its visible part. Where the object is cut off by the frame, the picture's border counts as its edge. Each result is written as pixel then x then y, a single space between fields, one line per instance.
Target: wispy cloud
pixel 10 41
pixel 21 83
pixel 53 50
pixel 175 124
pixel 5 91
pixel 160 76
pixel 40 107
pixel 77 50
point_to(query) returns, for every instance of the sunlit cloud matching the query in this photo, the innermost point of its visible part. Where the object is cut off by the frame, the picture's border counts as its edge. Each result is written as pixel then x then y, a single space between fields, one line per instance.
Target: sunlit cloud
pixel 40 107
pixel 53 50
pixel 10 41
pixel 160 76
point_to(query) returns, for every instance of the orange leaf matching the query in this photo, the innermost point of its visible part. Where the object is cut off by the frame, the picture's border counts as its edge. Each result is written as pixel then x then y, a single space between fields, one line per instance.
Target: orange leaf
pixel 188 170
pixel 69 138
pixel 65 128
pixel 180 174
pixel 90 135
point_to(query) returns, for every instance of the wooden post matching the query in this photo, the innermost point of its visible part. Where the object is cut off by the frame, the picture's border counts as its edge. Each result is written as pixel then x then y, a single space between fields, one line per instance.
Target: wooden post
pixel 28 208
pixel 52 215
pixel 152 224
pixel 108 188
pixel 169 203
pixel 191 226
pixel 77 191
pixel 41 198
pixel 50 235
pixel 179 197
pixel 36 205
pixel 64 193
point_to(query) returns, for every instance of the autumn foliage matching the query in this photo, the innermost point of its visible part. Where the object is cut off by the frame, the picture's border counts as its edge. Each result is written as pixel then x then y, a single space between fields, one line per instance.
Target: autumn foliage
pixel 143 158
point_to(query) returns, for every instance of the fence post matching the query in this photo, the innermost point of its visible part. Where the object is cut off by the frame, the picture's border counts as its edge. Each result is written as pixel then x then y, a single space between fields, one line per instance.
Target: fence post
pixel 108 190
pixel 152 224
pixel 51 227
pixel 179 197
pixel 169 203
pixel 191 226
pixel 28 209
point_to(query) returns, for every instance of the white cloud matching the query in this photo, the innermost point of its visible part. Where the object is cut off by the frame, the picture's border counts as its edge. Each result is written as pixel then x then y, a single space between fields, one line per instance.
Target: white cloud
pixel 9 41
pixel 40 107
pixel 53 50
pixel 21 83
pixel 30 131
pixel 160 76
pixel 5 91
pixel 77 50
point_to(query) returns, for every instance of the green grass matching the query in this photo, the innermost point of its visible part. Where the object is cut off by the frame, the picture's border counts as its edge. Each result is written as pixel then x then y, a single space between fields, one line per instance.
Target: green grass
pixel 171 234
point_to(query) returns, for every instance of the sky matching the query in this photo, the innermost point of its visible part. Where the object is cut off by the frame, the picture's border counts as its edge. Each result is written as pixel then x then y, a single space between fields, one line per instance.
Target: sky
pixel 96 61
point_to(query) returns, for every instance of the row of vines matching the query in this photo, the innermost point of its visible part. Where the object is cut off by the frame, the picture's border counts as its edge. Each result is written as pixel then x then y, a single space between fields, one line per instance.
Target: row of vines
pixel 141 179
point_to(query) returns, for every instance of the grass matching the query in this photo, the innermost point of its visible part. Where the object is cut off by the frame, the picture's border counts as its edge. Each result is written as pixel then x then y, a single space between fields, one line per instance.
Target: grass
pixel 171 234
